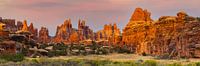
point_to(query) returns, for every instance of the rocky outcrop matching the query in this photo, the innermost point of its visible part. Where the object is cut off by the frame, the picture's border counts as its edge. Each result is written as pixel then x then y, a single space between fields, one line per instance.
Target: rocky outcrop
pixel 63 32
pixel 33 31
pixel 110 33
pixel 74 38
pixel 176 36
pixel 140 15
pixel 25 27
pixel 10 24
pixel 139 31
pixel 171 36
pixel 44 35
pixel 84 31
pixel 19 25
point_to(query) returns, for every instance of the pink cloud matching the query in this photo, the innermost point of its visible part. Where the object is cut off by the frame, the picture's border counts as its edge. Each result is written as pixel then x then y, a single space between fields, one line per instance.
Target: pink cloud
pixel 51 13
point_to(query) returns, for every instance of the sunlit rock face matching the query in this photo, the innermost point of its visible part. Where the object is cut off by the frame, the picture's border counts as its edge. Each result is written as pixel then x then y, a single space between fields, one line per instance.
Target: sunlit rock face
pixel 74 38
pixel 110 33
pixel 140 15
pixel 3 33
pixel 67 34
pixel 25 27
pixel 44 35
pixel 174 36
pixel 139 32
pixel 63 31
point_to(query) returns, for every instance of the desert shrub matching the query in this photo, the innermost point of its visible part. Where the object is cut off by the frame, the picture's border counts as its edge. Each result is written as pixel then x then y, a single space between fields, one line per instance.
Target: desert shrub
pixel 100 62
pixel 24 51
pixel 164 56
pixel 12 57
pixel 42 46
pixel 2 61
pixel 198 18
pixel 175 64
pixel 191 64
pixel 60 47
pixel 51 53
pixel 144 54
pixel 123 49
pixel 102 51
pixel 150 63
pixel 198 64
pixel 56 53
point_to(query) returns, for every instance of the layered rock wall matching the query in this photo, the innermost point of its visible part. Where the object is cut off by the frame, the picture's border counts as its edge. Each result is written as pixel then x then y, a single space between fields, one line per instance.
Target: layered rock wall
pixel 172 36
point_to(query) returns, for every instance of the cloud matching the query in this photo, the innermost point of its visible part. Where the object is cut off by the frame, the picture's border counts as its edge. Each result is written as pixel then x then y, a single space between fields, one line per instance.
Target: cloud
pixel 51 13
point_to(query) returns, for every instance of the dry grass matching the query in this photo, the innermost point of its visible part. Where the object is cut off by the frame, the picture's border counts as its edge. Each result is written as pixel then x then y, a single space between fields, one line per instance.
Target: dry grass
pixel 107 60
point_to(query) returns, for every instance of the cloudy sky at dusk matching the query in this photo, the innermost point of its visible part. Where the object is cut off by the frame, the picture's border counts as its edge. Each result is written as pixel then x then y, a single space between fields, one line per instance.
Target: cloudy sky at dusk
pixel 51 13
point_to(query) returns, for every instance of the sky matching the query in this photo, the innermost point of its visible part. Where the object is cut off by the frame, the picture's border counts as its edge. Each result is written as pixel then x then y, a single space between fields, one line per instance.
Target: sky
pixel 96 13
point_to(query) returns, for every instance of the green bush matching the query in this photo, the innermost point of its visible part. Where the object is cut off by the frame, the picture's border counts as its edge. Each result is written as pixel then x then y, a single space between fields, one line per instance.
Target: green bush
pixel 175 64
pixel 150 63
pixel 198 64
pixel 12 57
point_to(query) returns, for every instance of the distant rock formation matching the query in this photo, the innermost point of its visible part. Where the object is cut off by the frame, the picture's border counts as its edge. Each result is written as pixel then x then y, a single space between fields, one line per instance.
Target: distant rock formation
pixel 19 25
pixel 33 31
pixel 84 31
pixel 10 24
pixel 25 27
pixel 64 31
pixel 169 36
pixel 110 33
pixel 44 35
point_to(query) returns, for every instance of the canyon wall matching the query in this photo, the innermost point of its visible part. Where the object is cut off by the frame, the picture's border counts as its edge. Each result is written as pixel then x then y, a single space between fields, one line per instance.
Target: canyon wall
pixel 174 36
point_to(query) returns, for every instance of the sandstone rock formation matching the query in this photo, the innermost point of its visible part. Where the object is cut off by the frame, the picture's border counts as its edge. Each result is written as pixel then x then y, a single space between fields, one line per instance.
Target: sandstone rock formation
pixel 141 15
pixel 74 38
pixel 63 32
pixel 44 35
pixel 178 36
pixel 139 31
pixel 10 24
pixel 19 25
pixel 25 26
pixel 110 33
pixel 84 31
pixel 33 31
pixel 171 36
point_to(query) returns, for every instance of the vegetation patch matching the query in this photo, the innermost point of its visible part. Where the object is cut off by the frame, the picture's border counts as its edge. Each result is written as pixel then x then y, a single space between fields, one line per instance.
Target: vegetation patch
pixel 12 57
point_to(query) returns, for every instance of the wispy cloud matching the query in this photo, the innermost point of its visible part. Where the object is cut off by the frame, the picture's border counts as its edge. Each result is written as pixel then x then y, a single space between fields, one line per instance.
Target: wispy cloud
pixel 96 12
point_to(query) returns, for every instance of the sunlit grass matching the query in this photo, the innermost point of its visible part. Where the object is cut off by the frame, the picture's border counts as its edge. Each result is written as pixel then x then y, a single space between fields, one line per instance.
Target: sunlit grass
pixel 86 62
